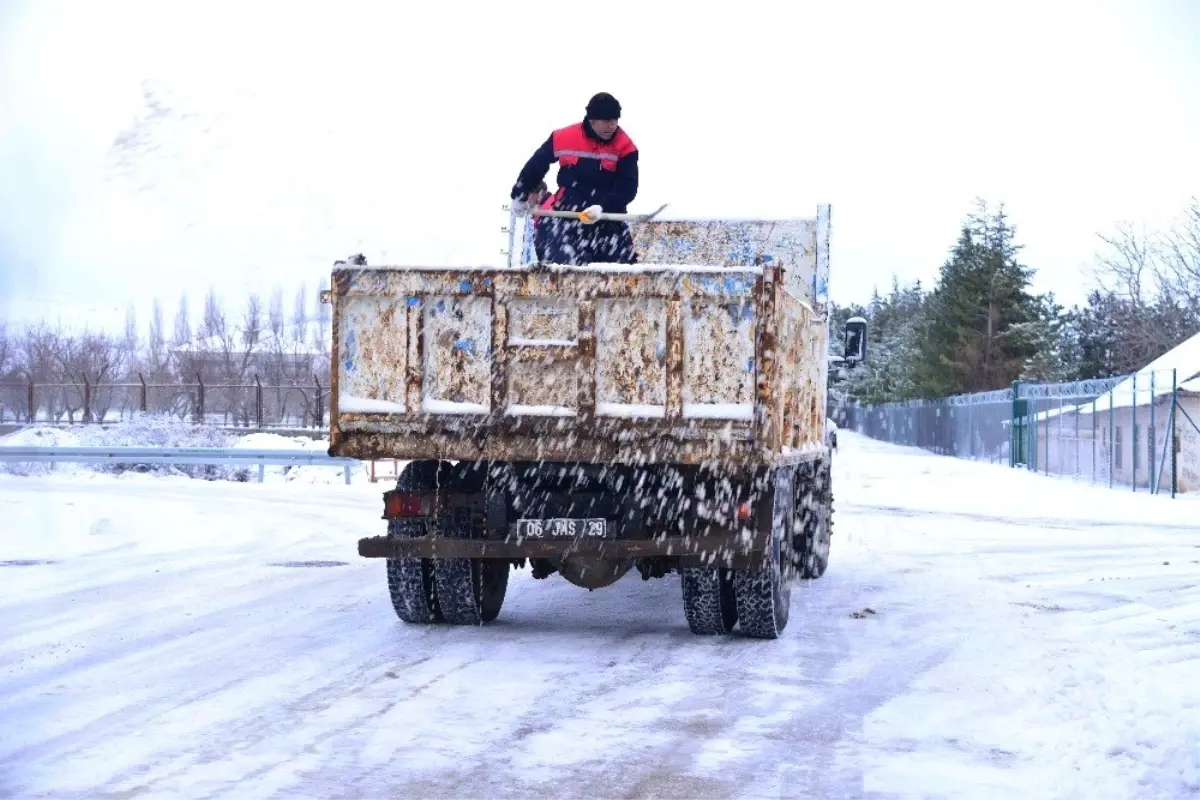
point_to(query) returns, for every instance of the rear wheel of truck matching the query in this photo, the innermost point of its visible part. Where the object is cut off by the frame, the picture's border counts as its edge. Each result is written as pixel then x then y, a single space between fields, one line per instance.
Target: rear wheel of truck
pixel 470 590
pixel 763 599
pixel 709 603
pixel 410 580
pixel 814 520
pixel 764 595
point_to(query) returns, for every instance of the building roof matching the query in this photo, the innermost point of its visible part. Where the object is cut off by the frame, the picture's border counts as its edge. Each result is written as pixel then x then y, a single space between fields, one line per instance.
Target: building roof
pixel 267 343
pixel 1181 363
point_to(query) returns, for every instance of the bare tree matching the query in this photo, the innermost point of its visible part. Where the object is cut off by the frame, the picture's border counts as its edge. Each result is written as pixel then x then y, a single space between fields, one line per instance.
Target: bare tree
pixel 224 355
pixel 92 361
pixel 12 397
pixel 7 352
pixel 252 323
pixel 275 316
pixel 131 339
pixel 1129 266
pixel 213 323
pixel 182 329
pixel 1149 298
pixel 322 315
pixel 1180 260
pixel 300 315
pixel 157 354
pixel 38 352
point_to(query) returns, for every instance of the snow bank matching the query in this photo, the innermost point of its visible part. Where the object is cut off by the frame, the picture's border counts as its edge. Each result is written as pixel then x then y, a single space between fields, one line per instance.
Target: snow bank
pixel 150 430
pixel 295 474
pixel 39 437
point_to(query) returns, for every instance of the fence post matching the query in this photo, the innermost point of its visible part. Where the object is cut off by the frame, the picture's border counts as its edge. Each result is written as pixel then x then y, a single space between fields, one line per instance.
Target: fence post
pixel 320 404
pixel 32 414
pixel 1095 430
pixel 1112 442
pixel 1012 426
pixel 1174 432
pixel 258 401
pixel 199 399
pixel 1076 448
pixel 87 400
pixel 143 392
pixel 1152 435
pixel 1134 434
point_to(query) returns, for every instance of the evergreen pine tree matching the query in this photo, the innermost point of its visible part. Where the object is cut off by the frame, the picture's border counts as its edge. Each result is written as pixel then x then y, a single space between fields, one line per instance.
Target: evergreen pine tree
pixel 980 328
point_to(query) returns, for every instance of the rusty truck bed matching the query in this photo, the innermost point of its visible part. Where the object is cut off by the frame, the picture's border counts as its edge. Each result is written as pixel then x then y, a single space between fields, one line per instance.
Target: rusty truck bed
pixel 640 364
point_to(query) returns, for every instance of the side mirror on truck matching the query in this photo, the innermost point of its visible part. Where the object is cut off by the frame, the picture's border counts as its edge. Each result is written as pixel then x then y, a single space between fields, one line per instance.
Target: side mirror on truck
pixel 856 341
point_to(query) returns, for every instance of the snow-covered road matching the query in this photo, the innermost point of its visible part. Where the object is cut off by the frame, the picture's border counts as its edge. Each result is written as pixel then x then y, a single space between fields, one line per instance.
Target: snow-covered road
pixel 980 632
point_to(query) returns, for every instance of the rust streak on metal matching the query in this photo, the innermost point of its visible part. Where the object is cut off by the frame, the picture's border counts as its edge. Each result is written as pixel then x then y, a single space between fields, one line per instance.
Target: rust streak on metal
pixel 675 359
pixel 499 354
pixel 765 357
pixel 415 339
pixel 528 439
pixel 543 354
pixel 337 294
pixel 586 366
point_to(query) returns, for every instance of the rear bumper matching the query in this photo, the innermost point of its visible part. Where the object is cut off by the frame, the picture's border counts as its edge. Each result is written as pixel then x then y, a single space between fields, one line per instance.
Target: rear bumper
pixel 734 550
pixel 704 442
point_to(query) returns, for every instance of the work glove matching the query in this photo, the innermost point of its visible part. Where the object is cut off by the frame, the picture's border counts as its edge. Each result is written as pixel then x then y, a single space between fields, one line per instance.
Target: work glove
pixel 520 206
pixel 590 214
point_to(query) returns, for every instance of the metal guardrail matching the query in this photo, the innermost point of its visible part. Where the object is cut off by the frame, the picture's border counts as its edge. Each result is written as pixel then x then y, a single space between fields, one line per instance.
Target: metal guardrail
pixel 177 455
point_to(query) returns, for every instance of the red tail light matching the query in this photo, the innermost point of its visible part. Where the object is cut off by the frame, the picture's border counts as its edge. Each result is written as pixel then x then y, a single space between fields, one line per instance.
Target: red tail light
pixel 399 504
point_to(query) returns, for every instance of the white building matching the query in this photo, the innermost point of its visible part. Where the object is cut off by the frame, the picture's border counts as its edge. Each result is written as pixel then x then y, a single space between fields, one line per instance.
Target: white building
pixel 1122 435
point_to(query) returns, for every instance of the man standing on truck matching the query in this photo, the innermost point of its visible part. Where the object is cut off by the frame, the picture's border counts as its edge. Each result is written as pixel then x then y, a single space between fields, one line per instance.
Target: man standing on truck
pixel 597 172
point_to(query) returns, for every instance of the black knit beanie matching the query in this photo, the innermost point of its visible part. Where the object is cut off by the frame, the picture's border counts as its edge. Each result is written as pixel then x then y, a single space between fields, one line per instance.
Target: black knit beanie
pixel 603 106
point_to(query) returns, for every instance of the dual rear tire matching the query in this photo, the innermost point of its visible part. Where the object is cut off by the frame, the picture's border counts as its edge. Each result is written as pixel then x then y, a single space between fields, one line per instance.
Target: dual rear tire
pixel 455 591
pixel 715 600
pixel 471 591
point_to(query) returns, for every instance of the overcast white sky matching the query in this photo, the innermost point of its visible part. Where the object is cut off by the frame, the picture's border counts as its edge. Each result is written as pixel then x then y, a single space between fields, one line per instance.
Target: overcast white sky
pixel 397 128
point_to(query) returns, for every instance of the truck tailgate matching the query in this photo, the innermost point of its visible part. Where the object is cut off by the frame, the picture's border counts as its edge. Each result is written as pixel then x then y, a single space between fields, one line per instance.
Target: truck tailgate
pixel 429 351
pixel 662 362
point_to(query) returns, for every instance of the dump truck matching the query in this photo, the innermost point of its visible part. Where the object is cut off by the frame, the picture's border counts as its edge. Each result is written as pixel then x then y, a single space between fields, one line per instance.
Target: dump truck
pixel 666 416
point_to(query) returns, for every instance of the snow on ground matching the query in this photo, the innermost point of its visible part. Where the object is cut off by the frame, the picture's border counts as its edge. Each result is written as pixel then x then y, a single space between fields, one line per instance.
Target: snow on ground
pixel 981 632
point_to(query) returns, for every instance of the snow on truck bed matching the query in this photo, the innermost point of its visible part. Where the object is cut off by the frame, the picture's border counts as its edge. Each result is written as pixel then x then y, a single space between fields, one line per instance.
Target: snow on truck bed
pixel 980 632
pixel 636 269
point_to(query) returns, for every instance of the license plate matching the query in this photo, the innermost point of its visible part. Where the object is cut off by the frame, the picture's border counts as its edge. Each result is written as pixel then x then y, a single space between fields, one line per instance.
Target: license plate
pixel 562 528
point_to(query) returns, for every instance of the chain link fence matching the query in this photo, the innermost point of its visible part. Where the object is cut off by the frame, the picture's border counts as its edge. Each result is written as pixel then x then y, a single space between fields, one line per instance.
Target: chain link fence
pixel 1137 431
pixel 251 405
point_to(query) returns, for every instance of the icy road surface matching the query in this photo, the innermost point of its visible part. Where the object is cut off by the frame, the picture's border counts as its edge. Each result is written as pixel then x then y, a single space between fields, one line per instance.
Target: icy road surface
pixel 981 632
